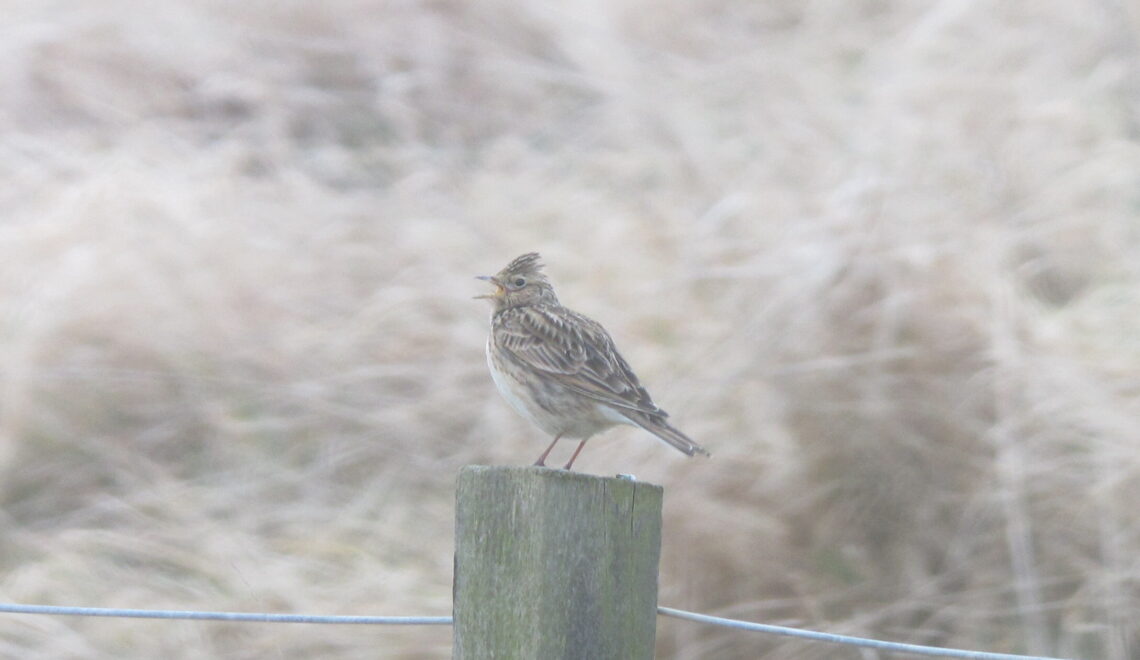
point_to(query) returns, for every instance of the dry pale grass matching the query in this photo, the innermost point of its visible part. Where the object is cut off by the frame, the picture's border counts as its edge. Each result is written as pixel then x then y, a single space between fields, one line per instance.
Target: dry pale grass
pixel 880 257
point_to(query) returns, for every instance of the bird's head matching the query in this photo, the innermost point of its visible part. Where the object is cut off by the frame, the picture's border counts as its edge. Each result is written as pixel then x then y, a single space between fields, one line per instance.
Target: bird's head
pixel 522 282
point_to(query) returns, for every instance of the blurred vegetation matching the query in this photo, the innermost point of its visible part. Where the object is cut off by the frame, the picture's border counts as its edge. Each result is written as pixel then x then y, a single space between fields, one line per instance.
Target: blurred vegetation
pixel 879 257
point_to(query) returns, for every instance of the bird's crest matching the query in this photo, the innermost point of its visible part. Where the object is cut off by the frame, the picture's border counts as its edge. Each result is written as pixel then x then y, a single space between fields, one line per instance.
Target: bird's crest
pixel 527 264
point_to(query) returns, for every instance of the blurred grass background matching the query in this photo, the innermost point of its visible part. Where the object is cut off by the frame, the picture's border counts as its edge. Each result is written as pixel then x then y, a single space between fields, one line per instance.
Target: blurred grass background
pixel 880 257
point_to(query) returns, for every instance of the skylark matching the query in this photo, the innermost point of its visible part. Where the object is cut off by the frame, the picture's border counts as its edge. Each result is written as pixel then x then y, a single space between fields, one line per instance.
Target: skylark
pixel 560 369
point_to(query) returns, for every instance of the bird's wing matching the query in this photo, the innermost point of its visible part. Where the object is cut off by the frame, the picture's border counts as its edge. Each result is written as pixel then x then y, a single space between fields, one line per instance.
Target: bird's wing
pixel 575 351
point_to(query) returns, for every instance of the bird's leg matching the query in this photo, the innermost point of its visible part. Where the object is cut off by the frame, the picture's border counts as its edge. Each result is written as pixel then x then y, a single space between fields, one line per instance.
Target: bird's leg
pixel 541 462
pixel 576 452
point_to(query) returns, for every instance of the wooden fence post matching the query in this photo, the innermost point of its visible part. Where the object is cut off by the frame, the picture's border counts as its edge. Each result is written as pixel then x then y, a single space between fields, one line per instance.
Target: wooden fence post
pixel 554 565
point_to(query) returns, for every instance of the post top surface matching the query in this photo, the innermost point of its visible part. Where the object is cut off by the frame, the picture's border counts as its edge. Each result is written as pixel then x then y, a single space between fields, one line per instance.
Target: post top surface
pixel 535 472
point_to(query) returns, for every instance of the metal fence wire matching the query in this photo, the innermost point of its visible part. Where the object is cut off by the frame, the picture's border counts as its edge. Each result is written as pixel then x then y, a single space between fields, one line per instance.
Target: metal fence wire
pixel 257 617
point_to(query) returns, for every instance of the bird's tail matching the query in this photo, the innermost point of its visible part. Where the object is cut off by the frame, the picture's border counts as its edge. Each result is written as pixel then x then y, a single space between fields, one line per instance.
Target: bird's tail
pixel 660 428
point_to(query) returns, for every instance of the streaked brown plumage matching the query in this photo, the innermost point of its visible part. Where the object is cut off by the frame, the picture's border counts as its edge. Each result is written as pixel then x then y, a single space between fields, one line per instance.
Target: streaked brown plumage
pixel 560 369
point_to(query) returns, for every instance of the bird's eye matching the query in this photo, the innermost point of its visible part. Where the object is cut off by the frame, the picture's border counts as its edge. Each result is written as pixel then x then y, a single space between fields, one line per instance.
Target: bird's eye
pixel 519 282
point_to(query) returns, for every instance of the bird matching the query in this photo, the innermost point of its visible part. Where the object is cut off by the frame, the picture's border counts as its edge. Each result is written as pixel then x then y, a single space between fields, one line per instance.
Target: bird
pixel 560 369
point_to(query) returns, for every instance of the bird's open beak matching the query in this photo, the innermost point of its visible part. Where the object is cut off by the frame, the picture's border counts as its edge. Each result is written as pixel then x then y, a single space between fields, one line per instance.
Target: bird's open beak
pixel 499 290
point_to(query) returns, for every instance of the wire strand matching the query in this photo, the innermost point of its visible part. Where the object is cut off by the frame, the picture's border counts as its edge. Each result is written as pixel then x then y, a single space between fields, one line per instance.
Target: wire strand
pixel 253 617
pixel 844 639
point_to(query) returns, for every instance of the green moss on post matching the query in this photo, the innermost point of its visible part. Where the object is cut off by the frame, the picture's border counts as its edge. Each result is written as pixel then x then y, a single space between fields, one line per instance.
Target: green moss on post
pixel 554 564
